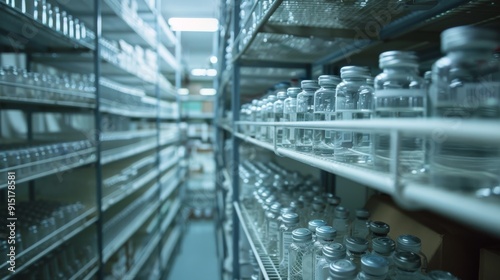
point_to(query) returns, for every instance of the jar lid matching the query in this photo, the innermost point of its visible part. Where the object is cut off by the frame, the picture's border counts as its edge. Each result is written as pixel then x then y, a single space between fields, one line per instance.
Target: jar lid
pixel 281 95
pixel 342 269
pixel 383 245
pixel 398 59
pixel 379 228
pixel 326 232
pixel 341 212
pixel 356 244
pixel 293 91
pixel 407 261
pixel 354 72
pixel 329 80
pixel 290 218
pixel 334 251
pixel 302 234
pixel 408 242
pixel 441 275
pixel 309 84
pixel 362 213
pixel 313 224
pixel 374 265
pixel 468 37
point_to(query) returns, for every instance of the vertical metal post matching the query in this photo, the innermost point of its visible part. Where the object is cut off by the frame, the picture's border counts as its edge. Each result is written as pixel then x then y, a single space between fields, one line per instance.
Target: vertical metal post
pixel 235 142
pixel 97 118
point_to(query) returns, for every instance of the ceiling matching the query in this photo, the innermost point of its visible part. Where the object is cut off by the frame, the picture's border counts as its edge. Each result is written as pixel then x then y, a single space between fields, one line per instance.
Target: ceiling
pixel 197 47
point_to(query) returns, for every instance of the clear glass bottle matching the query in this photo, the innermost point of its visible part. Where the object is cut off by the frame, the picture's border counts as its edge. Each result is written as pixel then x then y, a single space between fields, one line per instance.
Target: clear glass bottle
pixel 11 77
pixel 407 267
pixel 384 247
pixel 332 201
pixel 341 223
pixel 464 86
pixel 305 112
pixel 317 209
pixel 342 270
pixel 272 224
pixel 411 243
pixel 351 147
pixel 373 267
pixel 356 249
pixel 359 227
pixel 278 116
pixel 331 252
pixel 299 209
pixel 324 235
pixel 64 23
pixel 313 224
pixel 261 117
pixel 290 115
pixel 71 27
pixel 399 93
pixel 269 117
pixel 300 255
pixel 37 10
pixel 50 16
pixel 253 114
pixel 378 229
pixel 290 222
pixel 441 275
pixel 324 110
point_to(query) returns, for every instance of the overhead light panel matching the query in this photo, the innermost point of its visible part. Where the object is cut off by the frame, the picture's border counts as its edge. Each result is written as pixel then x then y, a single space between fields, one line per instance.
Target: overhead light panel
pixel 207 91
pixel 183 91
pixel 211 72
pixel 213 59
pixel 200 72
pixel 194 24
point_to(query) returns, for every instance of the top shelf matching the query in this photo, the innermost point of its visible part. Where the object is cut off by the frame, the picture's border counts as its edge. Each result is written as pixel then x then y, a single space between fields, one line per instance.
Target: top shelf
pixel 315 32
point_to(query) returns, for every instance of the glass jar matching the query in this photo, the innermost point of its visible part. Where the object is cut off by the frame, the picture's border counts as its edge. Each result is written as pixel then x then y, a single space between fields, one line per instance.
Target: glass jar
pixel 290 115
pixel 324 110
pixel 399 93
pixel 300 256
pixel 351 147
pixel 278 116
pixel 305 112
pixel 465 87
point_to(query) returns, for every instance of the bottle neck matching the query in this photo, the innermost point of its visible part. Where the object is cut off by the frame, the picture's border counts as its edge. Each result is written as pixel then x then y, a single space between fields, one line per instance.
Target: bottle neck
pixel 400 69
pixel 474 54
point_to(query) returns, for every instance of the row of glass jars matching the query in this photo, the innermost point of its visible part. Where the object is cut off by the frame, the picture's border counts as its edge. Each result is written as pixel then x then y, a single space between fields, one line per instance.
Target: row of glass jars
pixel 18 83
pixel 51 16
pixel 465 84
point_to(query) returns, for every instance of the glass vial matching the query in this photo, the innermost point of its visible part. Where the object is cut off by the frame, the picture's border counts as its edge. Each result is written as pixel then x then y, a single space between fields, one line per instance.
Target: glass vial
pixel 313 224
pixel 325 235
pixel 411 243
pixel 290 222
pixel 356 249
pixel 271 239
pixel 341 223
pixel 324 110
pixel 269 117
pixel 384 247
pixel 373 268
pixel 305 112
pixel 441 275
pixel 300 258
pixel 290 115
pixel 407 267
pixel 465 86
pixel 342 270
pixel 351 147
pixel 278 116
pixel 331 252
pixel 399 93
pixel 359 227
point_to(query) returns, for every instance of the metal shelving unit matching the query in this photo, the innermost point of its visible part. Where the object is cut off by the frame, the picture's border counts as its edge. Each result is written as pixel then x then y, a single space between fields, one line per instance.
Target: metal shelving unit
pixel 140 94
pixel 294 39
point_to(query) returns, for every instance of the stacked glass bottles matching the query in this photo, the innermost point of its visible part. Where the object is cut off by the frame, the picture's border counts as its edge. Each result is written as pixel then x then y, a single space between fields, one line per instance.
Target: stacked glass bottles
pixel 373 268
pixel 324 110
pixel 352 147
pixel 325 235
pixel 278 115
pixel 342 270
pixel 378 229
pixel 290 222
pixel 399 93
pixel 356 249
pixel 300 255
pixel 330 253
pixel 411 243
pixel 384 247
pixel 465 85
pixel 305 112
pixel 313 224
pixel 290 115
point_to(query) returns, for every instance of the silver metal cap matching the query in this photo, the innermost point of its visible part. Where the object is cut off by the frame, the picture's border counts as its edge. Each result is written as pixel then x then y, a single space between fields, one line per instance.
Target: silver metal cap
pixel 333 200
pixel 309 84
pixel 326 232
pixel 293 91
pixel 407 261
pixel 341 212
pixel 374 265
pixel 356 244
pixel 281 95
pixel 290 218
pixel 284 210
pixel 275 208
pixel 301 235
pixel 362 214
pixel 334 251
pixel 398 59
pixel 441 275
pixel 468 37
pixel 342 269
pixel 360 72
pixel 313 224
pixel 383 245
pixel 379 228
pixel 271 98
pixel 329 80
pixel 408 242
pixel 297 204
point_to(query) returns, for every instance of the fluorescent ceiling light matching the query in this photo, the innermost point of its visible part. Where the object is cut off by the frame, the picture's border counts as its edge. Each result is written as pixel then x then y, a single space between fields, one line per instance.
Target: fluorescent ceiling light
pixel 183 91
pixel 211 72
pixel 207 91
pixel 203 72
pixel 213 59
pixel 194 24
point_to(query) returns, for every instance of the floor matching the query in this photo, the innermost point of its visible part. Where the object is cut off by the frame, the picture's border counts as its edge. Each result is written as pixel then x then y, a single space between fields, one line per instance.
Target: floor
pixel 197 257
